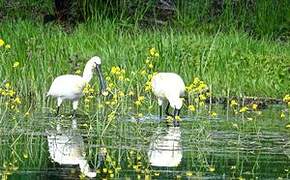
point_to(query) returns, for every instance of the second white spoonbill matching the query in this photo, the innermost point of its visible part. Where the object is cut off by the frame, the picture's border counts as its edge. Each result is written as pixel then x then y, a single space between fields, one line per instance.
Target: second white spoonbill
pixel 169 87
pixel 71 86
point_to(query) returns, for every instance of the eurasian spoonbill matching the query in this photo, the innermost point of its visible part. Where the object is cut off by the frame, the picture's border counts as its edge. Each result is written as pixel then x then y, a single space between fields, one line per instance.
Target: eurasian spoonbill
pixel 71 86
pixel 168 87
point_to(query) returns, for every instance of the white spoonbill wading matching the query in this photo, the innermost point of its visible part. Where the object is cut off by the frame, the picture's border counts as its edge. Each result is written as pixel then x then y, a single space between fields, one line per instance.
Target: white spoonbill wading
pixel 168 87
pixel 71 86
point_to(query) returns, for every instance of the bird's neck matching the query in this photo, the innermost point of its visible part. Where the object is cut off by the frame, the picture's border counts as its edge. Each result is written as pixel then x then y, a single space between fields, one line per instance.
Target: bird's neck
pixel 88 73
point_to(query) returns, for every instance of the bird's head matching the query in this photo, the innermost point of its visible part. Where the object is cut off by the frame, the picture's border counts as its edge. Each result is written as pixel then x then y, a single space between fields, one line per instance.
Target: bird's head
pixel 96 63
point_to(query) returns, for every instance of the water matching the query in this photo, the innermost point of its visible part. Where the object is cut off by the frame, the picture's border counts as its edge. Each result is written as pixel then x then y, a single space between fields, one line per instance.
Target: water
pixel 236 146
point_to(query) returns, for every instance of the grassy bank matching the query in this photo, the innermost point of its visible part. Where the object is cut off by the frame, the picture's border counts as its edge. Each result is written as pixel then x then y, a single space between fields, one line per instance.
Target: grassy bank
pixel 225 61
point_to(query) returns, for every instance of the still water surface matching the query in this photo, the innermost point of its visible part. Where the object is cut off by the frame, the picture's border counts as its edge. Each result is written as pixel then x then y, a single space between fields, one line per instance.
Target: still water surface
pixel 227 147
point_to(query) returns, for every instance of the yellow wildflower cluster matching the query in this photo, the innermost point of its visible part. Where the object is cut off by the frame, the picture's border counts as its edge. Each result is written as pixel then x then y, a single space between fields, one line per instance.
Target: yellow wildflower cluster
pixel 254 106
pixel 147 70
pixel 233 103
pixel 153 52
pixel 135 161
pixel 197 86
pixel 191 108
pixel 2 43
pixel 16 64
pixel 8 169
pixel 88 92
pixel 118 72
pixel 285 112
pixel 110 168
pixel 244 109
pixel 115 88
pixel 197 89
pixel 286 99
pixel 148 84
pixel 140 100
pixel 11 99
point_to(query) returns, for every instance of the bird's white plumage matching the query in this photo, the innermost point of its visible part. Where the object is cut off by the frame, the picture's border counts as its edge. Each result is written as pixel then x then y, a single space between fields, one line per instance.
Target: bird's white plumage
pixel 67 87
pixel 71 86
pixel 168 86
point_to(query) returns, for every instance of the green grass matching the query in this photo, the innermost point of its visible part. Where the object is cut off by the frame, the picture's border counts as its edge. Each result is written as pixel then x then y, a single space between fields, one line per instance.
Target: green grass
pixel 234 61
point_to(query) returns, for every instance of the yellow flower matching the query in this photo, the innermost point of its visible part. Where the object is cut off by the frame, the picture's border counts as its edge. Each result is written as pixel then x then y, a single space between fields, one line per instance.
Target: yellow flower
pixel 141 98
pixel 138 103
pixel 177 118
pixel 150 66
pixel 7 46
pixel 121 78
pixel 202 97
pixel 286 98
pixel 105 170
pixel 282 115
pixel 143 72
pixel 233 103
pixel 191 108
pixel 254 107
pixel 25 155
pixel 78 71
pixel 131 93
pixel 235 125
pixel 211 169
pixel 189 173
pixel 213 114
pixel 121 94
pixel 16 64
pixel 156 174
pixel 7 85
pixel 178 176
pixel 243 109
pixel 115 70
pixel 17 100
pixel 152 51
pixel 241 178
pixel 1 42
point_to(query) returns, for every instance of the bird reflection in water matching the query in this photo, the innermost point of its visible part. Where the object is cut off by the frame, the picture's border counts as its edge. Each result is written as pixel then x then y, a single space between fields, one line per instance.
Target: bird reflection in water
pixel 66 147
pixel 165 150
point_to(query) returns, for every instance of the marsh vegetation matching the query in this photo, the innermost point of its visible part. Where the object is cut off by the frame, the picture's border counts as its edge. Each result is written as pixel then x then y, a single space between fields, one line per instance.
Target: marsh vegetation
pixel 234 121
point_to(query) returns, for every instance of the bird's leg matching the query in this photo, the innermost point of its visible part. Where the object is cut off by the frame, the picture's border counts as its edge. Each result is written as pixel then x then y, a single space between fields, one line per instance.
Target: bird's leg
pixel 59 101
pixel 74 114
pixel 75 106
pixel 160 112
pixel 176 113
pixel 167 110
pixel 57 111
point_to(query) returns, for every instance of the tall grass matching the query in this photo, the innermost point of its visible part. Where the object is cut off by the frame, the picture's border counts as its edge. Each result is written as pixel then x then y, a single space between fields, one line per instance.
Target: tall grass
pixel 226 61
